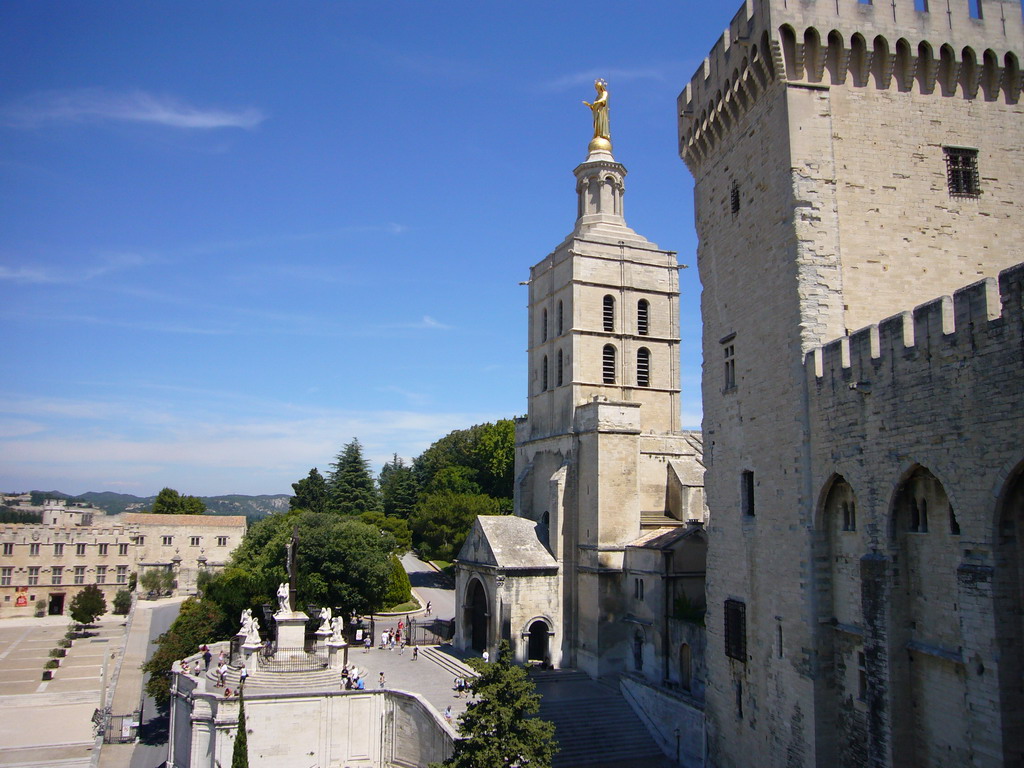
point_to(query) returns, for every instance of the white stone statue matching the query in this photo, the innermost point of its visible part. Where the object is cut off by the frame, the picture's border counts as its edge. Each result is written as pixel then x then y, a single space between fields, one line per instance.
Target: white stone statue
pixel 246 621
pixel 282 598
pixel 252 637
pixel 325 619
pixel 338 629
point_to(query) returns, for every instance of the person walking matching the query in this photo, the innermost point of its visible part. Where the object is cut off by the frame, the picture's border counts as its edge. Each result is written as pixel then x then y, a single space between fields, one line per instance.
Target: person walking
pixel 428 607
pixel 448 714
pixel 366 644
pixel 380 682
pixel 207 656
pixel 415 652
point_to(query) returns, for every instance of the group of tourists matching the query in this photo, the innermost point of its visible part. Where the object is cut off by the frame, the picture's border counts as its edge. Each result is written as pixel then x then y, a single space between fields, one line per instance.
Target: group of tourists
pixel 352 678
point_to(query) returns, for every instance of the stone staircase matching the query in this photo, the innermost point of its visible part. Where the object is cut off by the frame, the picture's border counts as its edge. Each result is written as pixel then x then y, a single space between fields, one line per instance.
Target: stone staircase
pixel 444 658
pixel 594 725
pixel 280 682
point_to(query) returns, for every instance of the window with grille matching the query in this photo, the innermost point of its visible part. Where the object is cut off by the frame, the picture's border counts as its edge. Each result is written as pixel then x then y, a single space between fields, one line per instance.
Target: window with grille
pixel 33 575
pixel 79 574
pixel 643 311
pixel 962 172
pixel 8 549
pixel 729 352
pixel 559 318
pixel 104 548
pixel 80 550
pixel 544 375
pixel 609 364
pixel 643 367
pixel 736 630
pixel 5 576
pixel 558 369
pixel 101 574
pixel 56 574
pixel 122 549
pixel 609 313
pixel 544 326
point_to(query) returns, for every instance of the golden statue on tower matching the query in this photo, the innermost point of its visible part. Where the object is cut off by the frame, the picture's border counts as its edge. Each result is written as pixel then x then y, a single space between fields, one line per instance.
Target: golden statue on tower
pixel 602 135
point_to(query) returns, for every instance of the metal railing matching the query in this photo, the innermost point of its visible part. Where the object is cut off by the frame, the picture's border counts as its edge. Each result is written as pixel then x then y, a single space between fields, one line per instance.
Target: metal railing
pixel 275 659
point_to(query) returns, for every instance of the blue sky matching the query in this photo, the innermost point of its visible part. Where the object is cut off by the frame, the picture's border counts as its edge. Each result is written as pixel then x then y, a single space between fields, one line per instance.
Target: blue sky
pixel 236 235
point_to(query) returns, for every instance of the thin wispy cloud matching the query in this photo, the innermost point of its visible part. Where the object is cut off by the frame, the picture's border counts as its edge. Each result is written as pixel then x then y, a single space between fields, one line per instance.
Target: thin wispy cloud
pixel 577 79
pixel 426 323
pixel 68 274
pixel 90 105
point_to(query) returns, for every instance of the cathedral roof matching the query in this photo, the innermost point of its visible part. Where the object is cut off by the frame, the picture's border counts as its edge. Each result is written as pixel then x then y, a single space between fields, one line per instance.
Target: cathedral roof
pixel 506 541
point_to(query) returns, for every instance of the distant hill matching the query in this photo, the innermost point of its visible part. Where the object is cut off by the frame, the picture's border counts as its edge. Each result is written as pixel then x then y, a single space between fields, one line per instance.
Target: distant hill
pixel 253 507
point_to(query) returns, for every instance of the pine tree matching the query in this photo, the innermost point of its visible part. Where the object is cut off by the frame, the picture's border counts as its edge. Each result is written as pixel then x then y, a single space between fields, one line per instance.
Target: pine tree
pixel 310 493
pixel 398 488
pixel 240 753
pixel 351 487
pixel 496 730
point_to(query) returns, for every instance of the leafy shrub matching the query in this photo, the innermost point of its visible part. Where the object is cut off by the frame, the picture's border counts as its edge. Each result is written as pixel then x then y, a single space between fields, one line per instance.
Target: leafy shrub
pixel 122 602
pixel 51 664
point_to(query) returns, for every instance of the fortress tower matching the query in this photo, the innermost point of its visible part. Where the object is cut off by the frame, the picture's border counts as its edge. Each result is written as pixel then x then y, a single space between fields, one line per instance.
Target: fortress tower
pixel 853 160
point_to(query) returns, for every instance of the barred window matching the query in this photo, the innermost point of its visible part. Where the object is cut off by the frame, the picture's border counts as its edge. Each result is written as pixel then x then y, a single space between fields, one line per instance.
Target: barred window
pixel 736 630
pixel 609 313
pixel 643 367
pixel 962 172
pixel 609 364
pixel 643 311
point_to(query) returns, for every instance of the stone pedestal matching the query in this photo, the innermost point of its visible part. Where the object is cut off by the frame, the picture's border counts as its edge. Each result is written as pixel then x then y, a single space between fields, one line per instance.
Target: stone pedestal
pixel 249 651
pixel 337 653
pixel 291 630
pixel 322 636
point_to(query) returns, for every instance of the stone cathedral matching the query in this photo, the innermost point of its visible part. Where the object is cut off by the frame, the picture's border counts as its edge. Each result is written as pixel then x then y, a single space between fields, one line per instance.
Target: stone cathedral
pixel 609 504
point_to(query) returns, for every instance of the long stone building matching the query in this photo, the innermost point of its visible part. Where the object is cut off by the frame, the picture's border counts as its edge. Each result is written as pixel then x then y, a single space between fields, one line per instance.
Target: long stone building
pixel 859 172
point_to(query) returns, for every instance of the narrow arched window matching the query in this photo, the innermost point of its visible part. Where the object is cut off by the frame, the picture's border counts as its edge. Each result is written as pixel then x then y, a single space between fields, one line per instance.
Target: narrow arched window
pixel 544 325
pixel 559 318
pixel 609 364
pixel 544 375
pixel 643 367
pixel 643 313
pixel 609 313
pixel 558 370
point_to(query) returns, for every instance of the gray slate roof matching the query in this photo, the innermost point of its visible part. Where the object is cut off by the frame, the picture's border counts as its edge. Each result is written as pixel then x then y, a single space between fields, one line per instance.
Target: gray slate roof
pixel 507 542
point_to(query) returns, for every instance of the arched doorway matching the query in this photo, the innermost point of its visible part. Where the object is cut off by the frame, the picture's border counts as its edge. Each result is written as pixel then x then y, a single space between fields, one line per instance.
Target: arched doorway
pixel 1009 605
pixel 537 644
pixel 476 616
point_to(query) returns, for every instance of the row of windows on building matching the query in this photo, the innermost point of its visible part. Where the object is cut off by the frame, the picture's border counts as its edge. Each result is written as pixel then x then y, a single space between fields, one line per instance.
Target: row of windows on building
pixel 609 368
pixel 643 318
pixel 103 549
pixel 57 575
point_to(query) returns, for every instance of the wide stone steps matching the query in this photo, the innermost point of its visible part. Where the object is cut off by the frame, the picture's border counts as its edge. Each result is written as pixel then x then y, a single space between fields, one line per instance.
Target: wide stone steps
pixel 594 725
pixel 273 682
pixel 447 662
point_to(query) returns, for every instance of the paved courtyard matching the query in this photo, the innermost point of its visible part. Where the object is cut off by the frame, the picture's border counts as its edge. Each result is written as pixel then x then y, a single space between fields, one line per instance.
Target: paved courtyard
pixel 48 723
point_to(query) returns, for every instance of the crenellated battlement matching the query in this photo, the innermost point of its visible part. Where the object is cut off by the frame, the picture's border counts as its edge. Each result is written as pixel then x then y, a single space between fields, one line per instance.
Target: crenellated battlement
pixel 941 329
pixel 827 43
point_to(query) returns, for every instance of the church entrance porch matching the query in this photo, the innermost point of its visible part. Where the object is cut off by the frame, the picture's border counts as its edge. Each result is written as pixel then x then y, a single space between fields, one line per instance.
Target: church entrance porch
pixel 537 642
pixel 476 616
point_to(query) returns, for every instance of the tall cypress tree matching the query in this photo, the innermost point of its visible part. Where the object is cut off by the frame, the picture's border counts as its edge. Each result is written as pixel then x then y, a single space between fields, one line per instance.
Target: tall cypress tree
pixel 398 488
pixel 240 753
pixel 351 487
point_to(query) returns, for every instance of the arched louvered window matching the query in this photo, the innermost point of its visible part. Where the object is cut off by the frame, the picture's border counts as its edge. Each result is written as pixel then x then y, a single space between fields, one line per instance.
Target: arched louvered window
pixel 558 371
pixel 559 318
pixel 643 314
pixel 643 367
pixel 609 313
pixel 544 325
pixel 609 364
pixel 544 375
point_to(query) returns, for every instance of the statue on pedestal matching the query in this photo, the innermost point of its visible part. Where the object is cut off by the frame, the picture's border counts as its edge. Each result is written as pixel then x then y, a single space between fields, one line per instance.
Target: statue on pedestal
pixel 602 133
pixel 246 621
pixel 325 620
pixel 282 598
pixel 252 637
pixel 338 629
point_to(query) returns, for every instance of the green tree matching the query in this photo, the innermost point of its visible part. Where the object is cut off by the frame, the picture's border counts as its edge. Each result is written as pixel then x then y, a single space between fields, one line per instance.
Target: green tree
pixel 398 488
pixel 122 602
pixel 454 479
pixel 240 750
pixel 310 492
pixel 351 487
pixel 170 502
pixel 88 605
pixel 495 454
pixel 442 521
pixel 399 588
pixel 496 727
pixel 396 526
pixel 198 622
